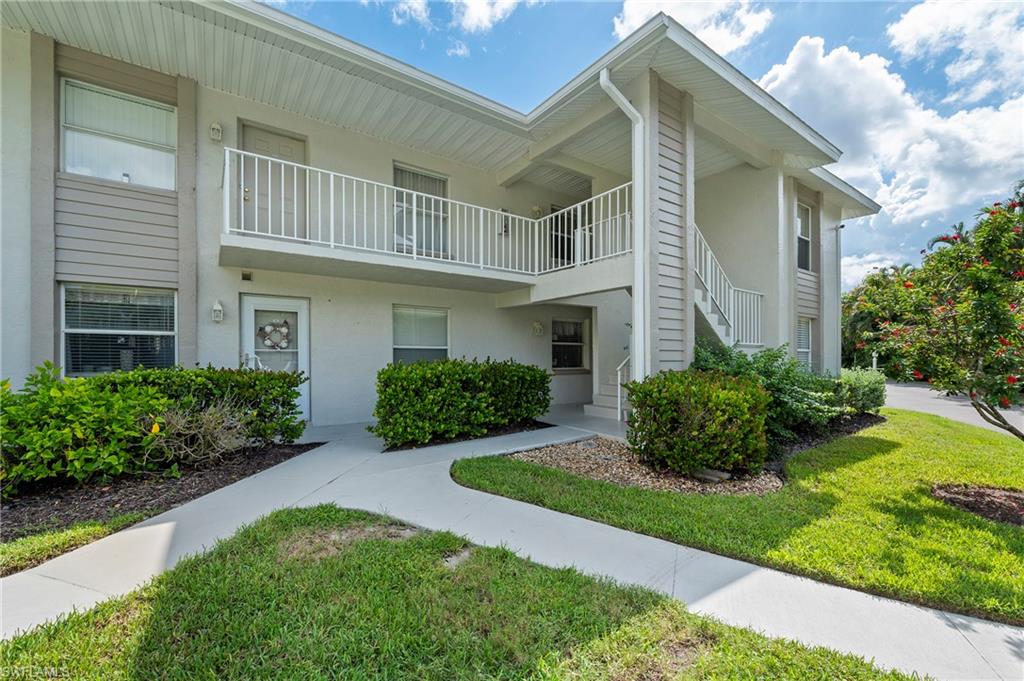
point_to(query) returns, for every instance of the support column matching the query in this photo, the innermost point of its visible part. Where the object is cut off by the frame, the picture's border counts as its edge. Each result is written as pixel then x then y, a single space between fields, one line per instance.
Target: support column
pixel 44 312
pixel 188 304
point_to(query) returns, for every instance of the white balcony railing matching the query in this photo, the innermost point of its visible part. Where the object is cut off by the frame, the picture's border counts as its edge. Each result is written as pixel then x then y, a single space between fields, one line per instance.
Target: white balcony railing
pixel 274 199
pixel 740 308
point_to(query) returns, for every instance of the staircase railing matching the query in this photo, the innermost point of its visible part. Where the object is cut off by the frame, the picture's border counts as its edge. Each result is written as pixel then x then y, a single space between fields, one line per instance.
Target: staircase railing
pixel 619 370
pixel 740 309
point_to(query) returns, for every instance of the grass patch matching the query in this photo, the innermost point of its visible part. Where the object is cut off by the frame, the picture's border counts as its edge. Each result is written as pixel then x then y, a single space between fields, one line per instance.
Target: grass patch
pixel 857 511
pixel 386 605
pixel 25 552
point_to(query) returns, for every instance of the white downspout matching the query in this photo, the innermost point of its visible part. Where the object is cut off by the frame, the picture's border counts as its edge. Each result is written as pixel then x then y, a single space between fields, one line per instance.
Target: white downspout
pixel 638 348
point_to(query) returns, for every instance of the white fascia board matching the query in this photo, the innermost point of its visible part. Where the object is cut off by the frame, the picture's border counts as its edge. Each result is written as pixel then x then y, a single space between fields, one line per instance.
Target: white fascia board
pixel 855 201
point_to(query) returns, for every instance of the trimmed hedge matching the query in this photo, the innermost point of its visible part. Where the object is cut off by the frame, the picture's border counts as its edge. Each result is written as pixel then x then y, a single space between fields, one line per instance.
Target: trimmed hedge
pixel 861 390
pixel 422 402
pixel 685 420
pixel 79 429
pixel 801 401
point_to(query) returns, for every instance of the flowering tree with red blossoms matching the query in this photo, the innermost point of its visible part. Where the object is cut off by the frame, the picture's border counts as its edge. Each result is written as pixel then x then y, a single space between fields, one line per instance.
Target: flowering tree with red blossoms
pixel 962 325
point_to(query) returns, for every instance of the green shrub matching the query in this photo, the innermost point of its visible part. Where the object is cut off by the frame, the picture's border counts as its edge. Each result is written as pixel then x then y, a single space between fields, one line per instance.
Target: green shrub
pixel 75 429
pixel 101 426
pixel 267 398
pixel 426 401
pixel 801 401
pixel 862 390
pixel 685 420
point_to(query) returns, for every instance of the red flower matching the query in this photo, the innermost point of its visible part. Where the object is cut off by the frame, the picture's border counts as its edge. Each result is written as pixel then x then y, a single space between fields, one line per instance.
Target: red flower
pixel 860 345
pixel 918 375
pixel 908 284
pixel 1012 380
pixel 1003 341
pixel 973 394
pixel 956 237
pixel 1019 274
pixel 1004 402
pixel 949 301
pixel 1016 230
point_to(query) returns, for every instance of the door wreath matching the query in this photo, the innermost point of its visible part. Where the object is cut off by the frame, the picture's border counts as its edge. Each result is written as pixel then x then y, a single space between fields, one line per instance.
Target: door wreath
pixel 275 335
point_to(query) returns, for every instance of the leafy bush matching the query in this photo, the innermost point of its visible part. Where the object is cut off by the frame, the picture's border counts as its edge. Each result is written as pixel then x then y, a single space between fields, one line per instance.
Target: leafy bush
pixel 862 390
pixel 76 429
pixel 101 426
pixel 801 401
pixel 426 401
pixel 267 398
pixel 685 420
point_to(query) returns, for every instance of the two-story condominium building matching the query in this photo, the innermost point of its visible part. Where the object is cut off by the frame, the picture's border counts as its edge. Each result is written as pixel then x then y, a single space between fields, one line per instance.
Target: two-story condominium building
pixel 221 183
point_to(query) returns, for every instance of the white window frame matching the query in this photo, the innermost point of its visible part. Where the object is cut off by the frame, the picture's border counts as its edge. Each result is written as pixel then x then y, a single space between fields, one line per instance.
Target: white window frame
pixel 447 330
pixel 64 331
pixel 800 237
pixel 130 140
pixel 808 351
pixel 585 344
pixel 441 214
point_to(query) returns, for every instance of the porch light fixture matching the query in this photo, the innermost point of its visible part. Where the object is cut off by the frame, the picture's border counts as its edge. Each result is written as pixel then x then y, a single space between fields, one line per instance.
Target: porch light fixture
pixel 217 313
pixel 538 328
pixel 216 132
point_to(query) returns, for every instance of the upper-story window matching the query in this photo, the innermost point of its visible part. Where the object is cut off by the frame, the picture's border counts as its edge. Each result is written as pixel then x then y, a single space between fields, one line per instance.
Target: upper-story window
pixel 115 136
pixel 421 213
pixel 803 236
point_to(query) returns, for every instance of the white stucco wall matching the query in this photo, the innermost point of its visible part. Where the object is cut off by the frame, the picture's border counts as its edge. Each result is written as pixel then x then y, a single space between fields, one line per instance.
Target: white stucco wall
pixel 351 320
pixel 15 215
pixel 736 211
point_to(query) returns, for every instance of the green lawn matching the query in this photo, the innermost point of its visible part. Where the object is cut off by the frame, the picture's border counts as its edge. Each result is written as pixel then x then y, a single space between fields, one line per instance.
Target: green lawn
pixel 24 552
pixel 856 511
pixel 292 597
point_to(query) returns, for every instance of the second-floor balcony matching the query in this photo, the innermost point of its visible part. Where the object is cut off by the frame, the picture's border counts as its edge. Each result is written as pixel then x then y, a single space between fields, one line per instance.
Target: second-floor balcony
pixel 267 201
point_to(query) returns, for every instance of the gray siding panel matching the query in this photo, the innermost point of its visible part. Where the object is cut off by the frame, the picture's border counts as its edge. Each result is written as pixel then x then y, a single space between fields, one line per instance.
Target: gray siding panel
pixel 670 236
pixel 117 75
pixel 115 233
pixel 808 293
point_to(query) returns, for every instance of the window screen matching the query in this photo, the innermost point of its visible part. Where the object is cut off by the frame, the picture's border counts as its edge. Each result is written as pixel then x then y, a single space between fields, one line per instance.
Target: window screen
pixel 420 333
pixel 110 328
pixel 568 345
pixel 803 240
pixel 421 219
pixel 803 342
pixel 117 137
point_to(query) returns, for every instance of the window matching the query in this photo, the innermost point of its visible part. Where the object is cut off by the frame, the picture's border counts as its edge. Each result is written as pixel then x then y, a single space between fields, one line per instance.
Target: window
pixel 114 136
pixel 563 232
pixel 569 345
pixel 421 218
pixel 420 333
pixel 803 237
pixel 110 328
pixel 803 342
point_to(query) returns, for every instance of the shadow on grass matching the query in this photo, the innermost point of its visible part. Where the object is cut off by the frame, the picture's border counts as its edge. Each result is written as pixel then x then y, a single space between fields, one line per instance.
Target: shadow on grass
pixel 371 609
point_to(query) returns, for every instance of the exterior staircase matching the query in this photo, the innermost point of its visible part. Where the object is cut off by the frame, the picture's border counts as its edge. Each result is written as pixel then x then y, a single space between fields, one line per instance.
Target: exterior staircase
pixel 733 315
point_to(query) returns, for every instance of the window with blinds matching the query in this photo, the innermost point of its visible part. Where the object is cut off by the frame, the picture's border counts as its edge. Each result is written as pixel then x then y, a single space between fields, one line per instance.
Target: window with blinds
pixel 420 333
pixel 114 136
pixel 421 214
pixel 568 344
pixel 803 342
pixel 111 328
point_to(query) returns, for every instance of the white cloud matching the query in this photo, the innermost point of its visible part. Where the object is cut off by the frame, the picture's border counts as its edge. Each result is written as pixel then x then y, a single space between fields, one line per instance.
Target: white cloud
pixel 457 49
pixel 985 35
pixel 724 26
pixel 856 267
pixel 479 16
pixel 911 159
pixel 412 10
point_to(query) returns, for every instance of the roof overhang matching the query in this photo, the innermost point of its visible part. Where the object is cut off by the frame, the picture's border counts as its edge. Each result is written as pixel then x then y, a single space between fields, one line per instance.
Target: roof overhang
pixel 853 202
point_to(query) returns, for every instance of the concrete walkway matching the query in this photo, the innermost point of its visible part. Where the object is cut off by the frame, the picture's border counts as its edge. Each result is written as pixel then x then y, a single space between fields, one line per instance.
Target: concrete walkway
pixel 920 397
pixel 415 486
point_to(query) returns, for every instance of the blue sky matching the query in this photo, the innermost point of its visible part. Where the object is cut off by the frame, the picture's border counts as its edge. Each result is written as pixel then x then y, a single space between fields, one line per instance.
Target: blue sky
pixel 926 99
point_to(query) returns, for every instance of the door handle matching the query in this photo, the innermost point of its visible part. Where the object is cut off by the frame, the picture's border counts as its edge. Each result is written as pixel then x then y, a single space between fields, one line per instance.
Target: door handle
pixel 245 193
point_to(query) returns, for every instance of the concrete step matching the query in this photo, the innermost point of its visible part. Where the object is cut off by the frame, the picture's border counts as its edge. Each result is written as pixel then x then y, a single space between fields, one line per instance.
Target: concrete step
pixel 599 411
pixel 603 400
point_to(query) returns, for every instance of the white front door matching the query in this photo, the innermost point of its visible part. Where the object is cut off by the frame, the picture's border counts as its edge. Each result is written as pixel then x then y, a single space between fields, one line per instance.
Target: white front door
pixel 275 335
pixel 274 192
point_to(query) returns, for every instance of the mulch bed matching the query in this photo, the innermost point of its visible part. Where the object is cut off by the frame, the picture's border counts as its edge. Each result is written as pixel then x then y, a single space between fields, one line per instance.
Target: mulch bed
pixel 612 461
pixel 992 503
pixel 57 508
pixel 493 432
